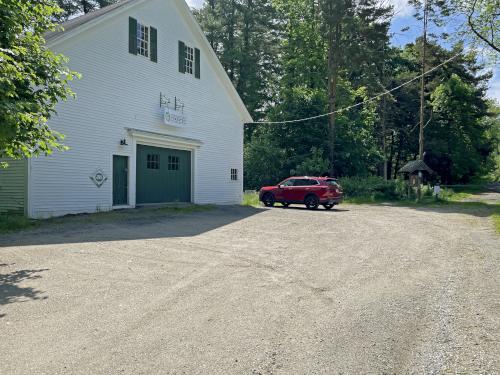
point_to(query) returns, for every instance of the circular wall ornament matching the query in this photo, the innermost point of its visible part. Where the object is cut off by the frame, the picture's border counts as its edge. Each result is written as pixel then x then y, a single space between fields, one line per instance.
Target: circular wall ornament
pixel 98 177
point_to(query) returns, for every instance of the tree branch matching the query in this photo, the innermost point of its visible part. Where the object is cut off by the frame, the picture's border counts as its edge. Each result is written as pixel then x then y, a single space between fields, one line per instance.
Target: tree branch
pixel 478 34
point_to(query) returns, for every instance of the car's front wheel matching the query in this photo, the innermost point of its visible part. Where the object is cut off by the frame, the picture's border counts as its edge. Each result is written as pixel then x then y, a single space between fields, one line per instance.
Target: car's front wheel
pixel 311 202
pixel 328 206
pixel 268 200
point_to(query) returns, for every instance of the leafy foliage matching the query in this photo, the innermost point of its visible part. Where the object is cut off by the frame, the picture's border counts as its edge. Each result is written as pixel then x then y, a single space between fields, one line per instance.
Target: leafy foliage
pixel 71 8
pixel 32 79
pixel 374 187
pixel 279 56
pixel 291 65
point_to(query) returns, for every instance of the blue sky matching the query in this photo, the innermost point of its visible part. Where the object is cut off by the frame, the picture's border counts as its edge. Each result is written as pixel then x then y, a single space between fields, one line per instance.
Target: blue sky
pixel 403 17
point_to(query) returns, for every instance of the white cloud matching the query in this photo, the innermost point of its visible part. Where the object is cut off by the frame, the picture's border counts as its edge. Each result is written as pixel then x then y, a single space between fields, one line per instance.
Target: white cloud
pixel 401 8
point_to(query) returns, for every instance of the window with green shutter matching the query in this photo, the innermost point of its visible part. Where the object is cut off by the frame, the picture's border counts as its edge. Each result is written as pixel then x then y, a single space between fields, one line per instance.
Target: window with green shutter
pixel 142 40
pixel 189 60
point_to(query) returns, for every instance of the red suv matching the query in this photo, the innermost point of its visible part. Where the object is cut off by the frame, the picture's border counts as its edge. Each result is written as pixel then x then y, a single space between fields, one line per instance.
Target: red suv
pixel 311 191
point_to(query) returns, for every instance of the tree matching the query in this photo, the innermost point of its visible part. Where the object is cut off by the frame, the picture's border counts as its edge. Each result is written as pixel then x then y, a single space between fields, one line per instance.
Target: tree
pixel 458 136
pixel 71 8
pixel 483 19
pixel 302 58
pixel 244 34
pixel 259 152
pixel 479 23
pixel 356 33
pixel 32 78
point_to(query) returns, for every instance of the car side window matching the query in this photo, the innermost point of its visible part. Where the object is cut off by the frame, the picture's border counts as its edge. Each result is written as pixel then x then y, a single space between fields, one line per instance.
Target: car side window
pixel 305 182
pixel 289 183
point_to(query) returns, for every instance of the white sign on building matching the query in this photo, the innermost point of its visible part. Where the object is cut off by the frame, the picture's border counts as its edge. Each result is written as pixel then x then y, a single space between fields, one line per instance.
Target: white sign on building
pixel 173 118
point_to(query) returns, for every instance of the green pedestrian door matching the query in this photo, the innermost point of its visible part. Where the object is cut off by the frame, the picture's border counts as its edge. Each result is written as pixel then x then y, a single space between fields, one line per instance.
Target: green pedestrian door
pixel 163 175
pixel 120 180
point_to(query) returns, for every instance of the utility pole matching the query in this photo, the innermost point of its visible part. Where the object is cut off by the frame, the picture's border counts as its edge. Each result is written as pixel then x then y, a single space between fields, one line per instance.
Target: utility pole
pixel 422 97
pixel 384 138
pixel 333 39
pixel 384 108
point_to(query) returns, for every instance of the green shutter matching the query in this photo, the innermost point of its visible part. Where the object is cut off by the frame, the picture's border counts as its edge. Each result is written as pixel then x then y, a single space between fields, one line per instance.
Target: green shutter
pixel 182 57
pixel 154 48
pixel 132 35
pixel 197 63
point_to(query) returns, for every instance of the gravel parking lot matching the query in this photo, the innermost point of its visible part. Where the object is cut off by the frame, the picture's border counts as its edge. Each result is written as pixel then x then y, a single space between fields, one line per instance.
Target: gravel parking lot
pixel 235 290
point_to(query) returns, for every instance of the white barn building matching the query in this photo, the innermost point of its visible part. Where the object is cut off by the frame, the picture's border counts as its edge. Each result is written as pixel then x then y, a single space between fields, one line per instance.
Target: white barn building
pixel 155 120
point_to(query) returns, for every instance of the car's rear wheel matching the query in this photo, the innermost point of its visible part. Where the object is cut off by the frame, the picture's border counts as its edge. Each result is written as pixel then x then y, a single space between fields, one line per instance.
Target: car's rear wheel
pixel 268 200
pixel 285 204
pixel 328 206
pixel 311 202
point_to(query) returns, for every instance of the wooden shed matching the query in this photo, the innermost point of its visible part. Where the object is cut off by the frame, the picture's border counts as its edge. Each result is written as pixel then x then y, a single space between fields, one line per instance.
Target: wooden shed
pixel 411 170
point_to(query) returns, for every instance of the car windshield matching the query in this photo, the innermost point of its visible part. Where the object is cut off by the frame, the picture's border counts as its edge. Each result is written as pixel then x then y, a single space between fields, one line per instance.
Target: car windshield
pixel 288 182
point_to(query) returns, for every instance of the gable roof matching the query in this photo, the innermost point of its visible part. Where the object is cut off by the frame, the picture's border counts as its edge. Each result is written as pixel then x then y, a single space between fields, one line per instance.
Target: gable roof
pixel 73 27
pixel 73 23
pixel 415 166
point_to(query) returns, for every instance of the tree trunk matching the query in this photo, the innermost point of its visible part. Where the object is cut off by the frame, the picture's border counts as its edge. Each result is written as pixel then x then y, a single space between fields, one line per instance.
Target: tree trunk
pixel 334 32
pixel 231 37
pixel 391 156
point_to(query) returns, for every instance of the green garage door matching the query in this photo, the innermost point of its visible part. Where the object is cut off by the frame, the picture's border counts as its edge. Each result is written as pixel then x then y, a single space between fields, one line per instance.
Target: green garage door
pixel 163 175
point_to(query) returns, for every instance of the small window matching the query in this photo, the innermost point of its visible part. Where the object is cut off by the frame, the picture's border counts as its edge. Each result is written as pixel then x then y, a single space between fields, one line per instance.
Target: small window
pixel 173 163
pixel 142 40
pixel 153 161
pixel 234 175
pixel 189 54
pixel 289 182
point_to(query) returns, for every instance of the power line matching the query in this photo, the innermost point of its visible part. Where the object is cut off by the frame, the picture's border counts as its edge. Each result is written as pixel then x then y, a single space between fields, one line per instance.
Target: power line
pixel 357 104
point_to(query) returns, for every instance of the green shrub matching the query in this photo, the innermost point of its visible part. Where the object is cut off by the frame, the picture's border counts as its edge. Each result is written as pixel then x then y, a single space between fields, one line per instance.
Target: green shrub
pixel 374 188
pixel 15 222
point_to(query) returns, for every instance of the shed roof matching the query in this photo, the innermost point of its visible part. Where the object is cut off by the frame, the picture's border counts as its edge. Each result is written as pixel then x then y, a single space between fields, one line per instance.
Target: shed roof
pixel 416 166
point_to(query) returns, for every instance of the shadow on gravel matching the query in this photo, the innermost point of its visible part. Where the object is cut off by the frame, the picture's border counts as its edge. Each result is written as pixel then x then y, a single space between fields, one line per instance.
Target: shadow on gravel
pixel 478 209
pixel 319 210
pixel 11 292
pixel 129 225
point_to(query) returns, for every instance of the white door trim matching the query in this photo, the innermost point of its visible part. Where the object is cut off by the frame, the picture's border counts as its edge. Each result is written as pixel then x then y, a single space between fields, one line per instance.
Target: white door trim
pixel 146 138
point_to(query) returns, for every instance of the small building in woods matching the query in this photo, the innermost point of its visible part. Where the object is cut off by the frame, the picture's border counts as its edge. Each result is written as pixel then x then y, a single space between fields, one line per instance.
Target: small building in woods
pixel 410 172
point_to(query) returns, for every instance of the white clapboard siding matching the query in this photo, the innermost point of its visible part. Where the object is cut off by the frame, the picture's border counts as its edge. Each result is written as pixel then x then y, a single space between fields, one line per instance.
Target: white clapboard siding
pixel 119 90
pixel 13 180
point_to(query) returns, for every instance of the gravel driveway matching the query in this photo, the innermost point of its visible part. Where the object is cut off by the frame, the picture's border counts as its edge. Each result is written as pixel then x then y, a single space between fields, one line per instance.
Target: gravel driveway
pixel 362 289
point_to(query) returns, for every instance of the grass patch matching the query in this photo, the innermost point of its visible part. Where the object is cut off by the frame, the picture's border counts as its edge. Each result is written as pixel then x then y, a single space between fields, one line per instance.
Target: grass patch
pixel 451 198
pixel 496 221
pixel 251 200
pixel 456 193
pixel 13 223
